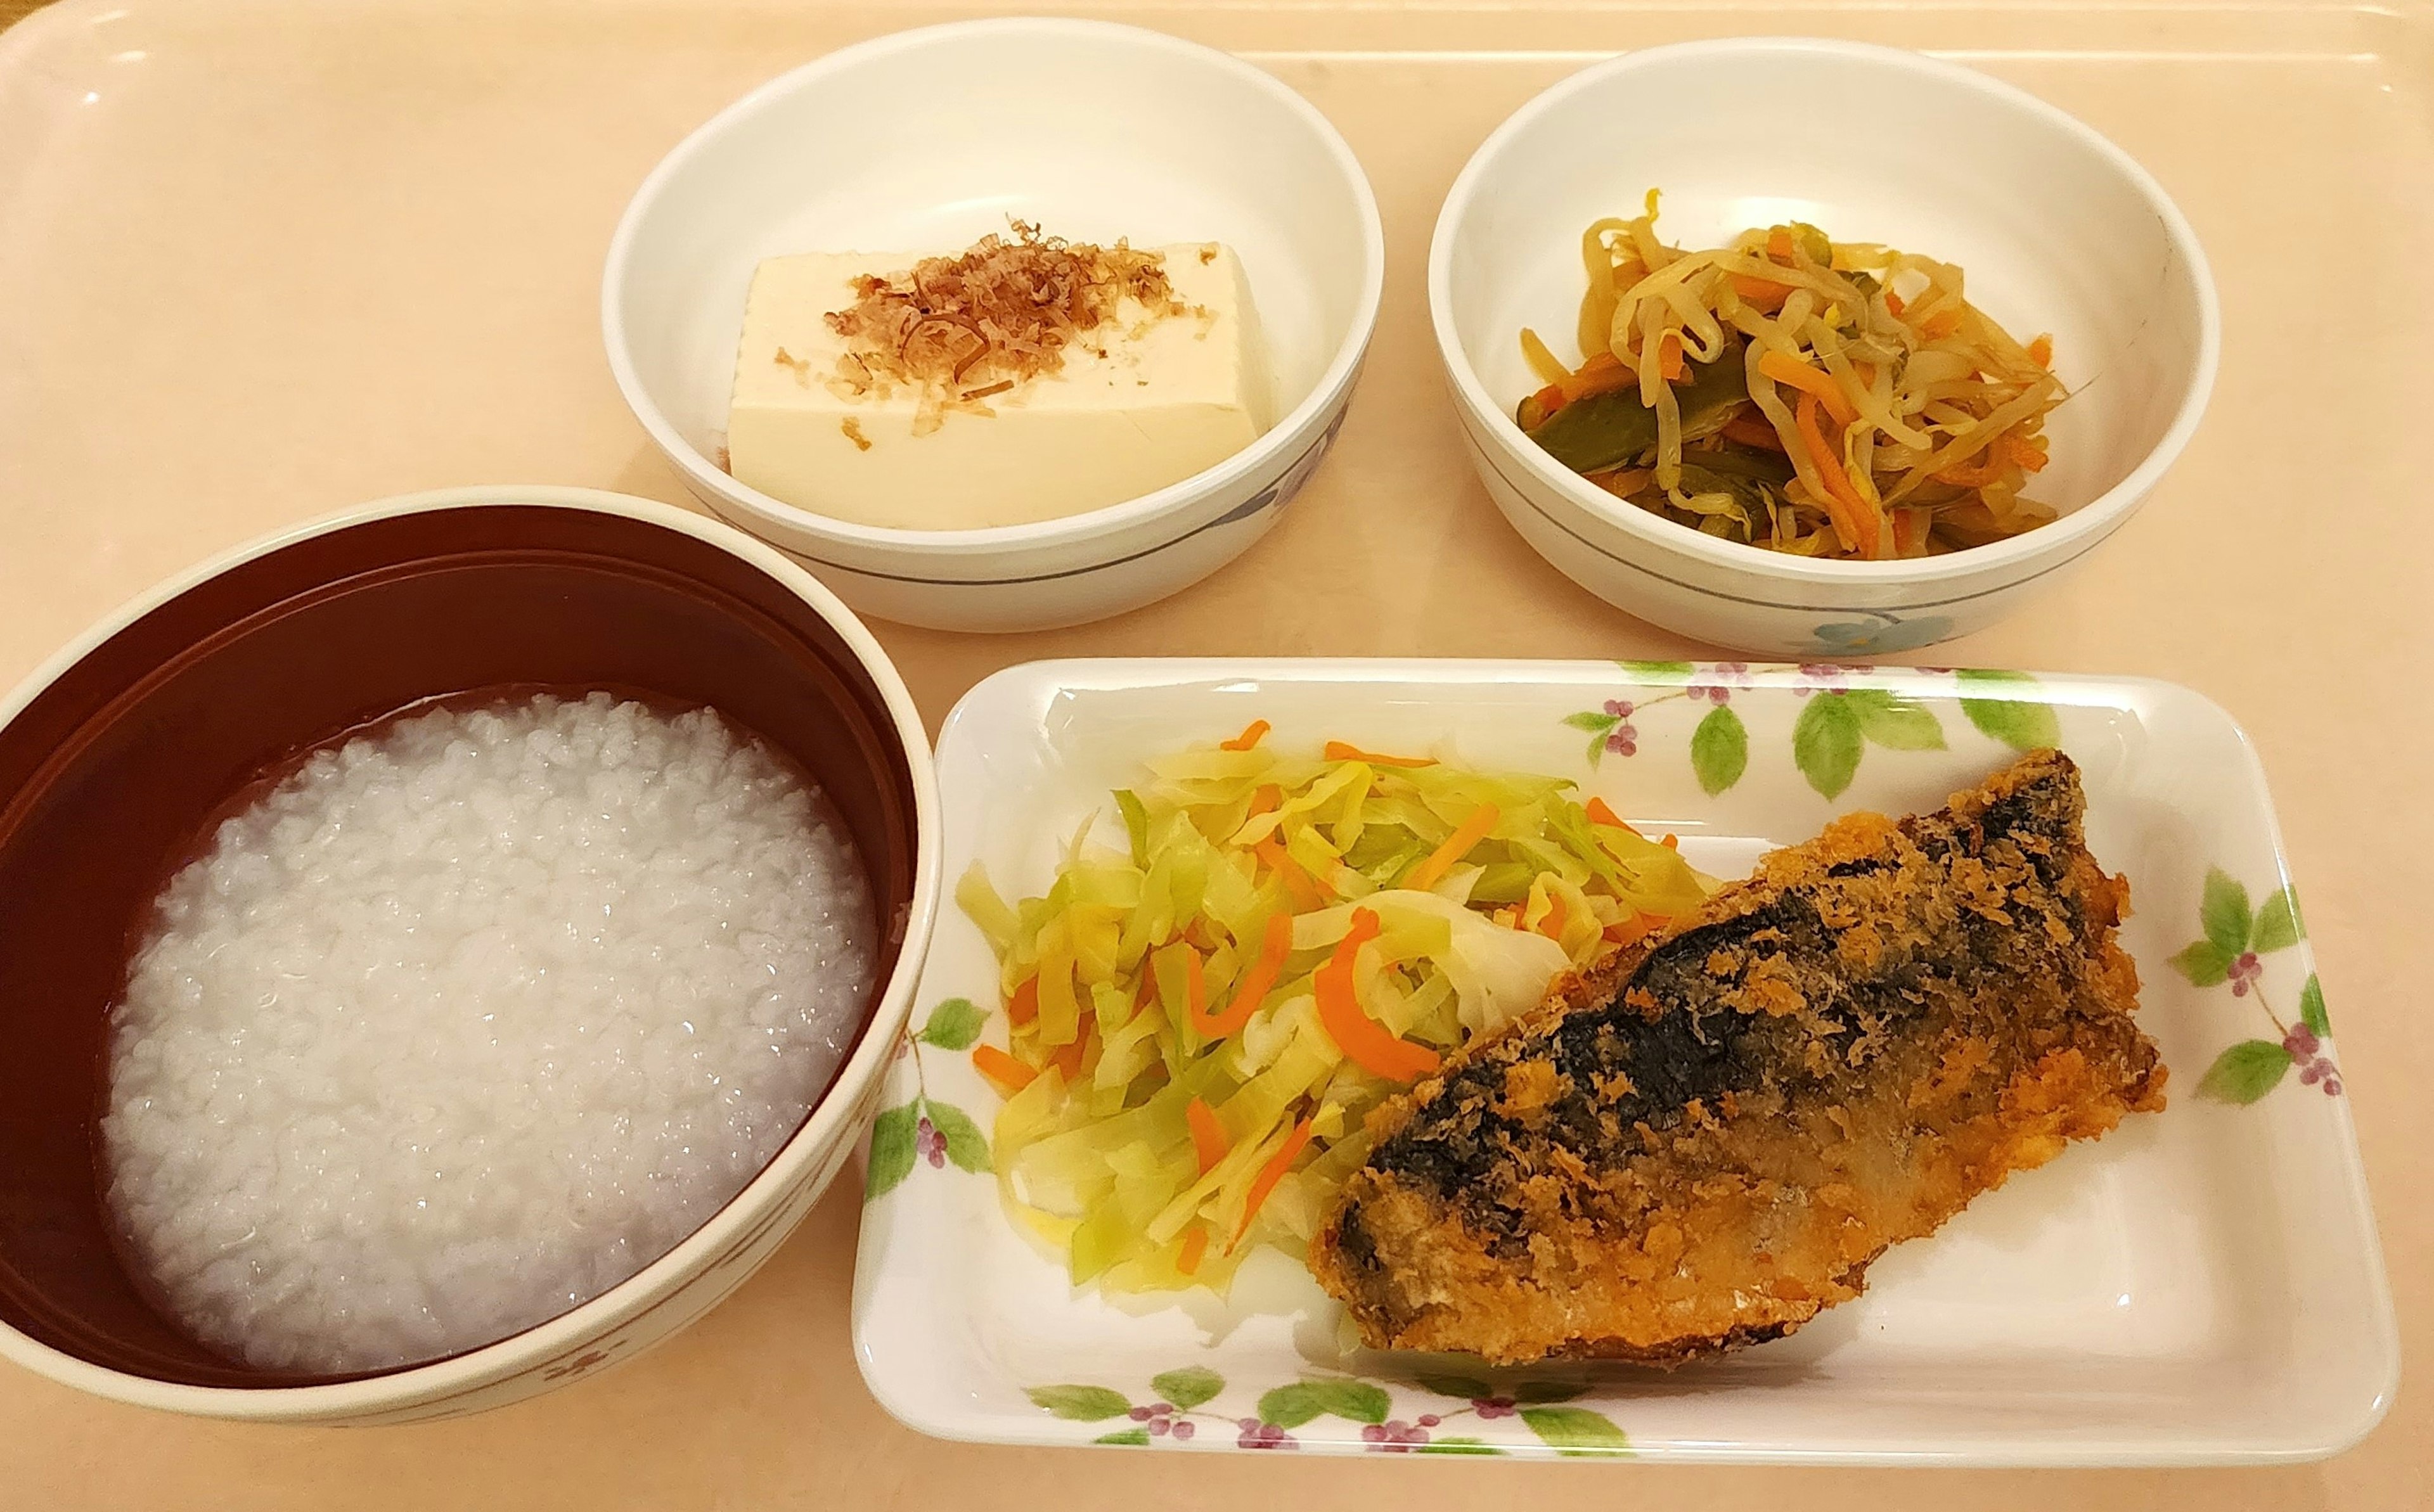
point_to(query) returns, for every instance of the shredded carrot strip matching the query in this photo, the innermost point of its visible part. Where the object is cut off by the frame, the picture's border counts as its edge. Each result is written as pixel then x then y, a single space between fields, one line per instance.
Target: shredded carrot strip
pixel 1853 518
pixel 1989 469
pixel 1893 305
pixel 1557 916
pixel 1195 1245
pixel 2023 451
pixel 2041 351
pixel 1672 843
pixel 1808 380
pixel 1264 800
pixel 1764 292
pixel 1602 374
pixel 1009 1075
pixel 1195 986
pixel 1941 324
pixel 1252 733
pixel 1752 430
pixel 1636 929
pixel 1669 364
pixel 1457 845
pixel 1551 398
pixel 1600 814
pixel 1297 881
pixel 1023 1007
pixel 1339 751
pixel 1271 1174
pixel 1067 1058
pixel 1357 1035
pixel 1909 531
pixel 1778 243
pixel 1256 984
pixel 1208 1141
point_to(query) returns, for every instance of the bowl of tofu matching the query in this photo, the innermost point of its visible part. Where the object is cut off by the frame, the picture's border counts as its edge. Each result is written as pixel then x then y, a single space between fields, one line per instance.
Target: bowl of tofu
pixel 999 325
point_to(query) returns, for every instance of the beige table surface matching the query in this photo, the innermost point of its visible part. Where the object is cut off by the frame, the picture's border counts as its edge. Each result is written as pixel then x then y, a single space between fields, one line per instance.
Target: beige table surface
pixel 184 433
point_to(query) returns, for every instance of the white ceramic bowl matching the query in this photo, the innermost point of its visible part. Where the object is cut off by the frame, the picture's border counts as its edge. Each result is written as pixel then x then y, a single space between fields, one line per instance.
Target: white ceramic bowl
pixel 289 638
pixel 2058 231
pixel 927 140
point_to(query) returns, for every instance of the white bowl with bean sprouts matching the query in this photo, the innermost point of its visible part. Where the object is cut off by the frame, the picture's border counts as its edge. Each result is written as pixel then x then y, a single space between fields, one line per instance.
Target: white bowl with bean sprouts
pixel 2059 232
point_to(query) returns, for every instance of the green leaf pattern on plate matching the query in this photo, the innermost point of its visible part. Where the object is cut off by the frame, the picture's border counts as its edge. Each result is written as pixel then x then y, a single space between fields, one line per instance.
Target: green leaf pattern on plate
pixel 1719 750
pixel 2022 724
pixel 1835 728
pixel 1189 1386
pixel 2245 1072
pixel 1081 1404
pixel 1185 1399
pixel 965 1143
pixel 954 1025
pixel 1574 1431
pixel 1827 744
pixel 891 1151
pixel 2233 942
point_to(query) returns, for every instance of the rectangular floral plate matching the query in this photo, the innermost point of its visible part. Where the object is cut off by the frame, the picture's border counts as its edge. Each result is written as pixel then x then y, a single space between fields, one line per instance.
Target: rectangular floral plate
pixel 2200 1286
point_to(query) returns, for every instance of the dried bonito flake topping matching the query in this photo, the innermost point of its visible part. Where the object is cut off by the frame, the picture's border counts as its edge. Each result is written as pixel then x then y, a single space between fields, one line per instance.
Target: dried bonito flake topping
pixel 962 328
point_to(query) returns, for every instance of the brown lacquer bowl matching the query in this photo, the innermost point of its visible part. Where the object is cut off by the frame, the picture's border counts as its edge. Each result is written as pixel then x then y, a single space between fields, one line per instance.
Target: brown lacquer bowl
pixel 115 755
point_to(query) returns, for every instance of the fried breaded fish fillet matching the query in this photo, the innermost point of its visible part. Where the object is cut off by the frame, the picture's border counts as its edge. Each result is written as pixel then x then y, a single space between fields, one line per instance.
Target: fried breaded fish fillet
pixel 1703 1142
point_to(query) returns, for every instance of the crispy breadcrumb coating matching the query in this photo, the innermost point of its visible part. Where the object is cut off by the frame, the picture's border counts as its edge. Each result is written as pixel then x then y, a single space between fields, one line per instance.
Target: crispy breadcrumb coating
pixel 1704 1141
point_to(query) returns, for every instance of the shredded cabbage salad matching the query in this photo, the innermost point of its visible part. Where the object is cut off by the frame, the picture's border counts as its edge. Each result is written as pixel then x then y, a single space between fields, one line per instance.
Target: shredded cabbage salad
pixel 1200 1022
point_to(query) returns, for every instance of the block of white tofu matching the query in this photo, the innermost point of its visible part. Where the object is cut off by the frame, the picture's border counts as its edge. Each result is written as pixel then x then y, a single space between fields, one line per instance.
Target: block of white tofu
pixel 1140 403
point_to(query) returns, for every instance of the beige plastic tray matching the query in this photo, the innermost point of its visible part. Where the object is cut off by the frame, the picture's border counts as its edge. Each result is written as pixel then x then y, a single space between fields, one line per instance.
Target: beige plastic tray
pixel 263 258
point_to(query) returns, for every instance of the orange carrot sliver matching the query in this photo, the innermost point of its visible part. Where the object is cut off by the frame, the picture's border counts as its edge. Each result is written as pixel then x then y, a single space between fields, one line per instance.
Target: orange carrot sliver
pixel 1799 375
pixel 1599 377
pixel 1990 468
pixel 1853 518
pixel 1273 947
pixel 1195 1245
pixel 1778 243
pixel 1670 363
pixel 1023 1007
pixel 1672 843
pixel 1297 882
pixel 1752 430
pixel 1764 292
pixel 1339 751
pixel 1457 845
pixel 1008 1074
pixel 2022 451
pixel 1557 916
pixel 2041 351
pixel 1208 1141
pixel 1195 986
pixel 1551 398
pixel 1941 324
pixel 1909 531
pixel 1067 1058
pixel 1252 733
pixel 1265 799
pixel 1637 927
pixel 1600 814
pixel 1893 305
pixel 1271 1174
pixel 1357 1035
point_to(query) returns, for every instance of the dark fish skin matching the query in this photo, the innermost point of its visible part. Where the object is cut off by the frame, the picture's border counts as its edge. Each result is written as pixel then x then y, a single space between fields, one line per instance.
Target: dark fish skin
pixel 1703 1142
